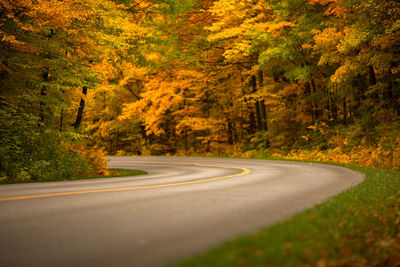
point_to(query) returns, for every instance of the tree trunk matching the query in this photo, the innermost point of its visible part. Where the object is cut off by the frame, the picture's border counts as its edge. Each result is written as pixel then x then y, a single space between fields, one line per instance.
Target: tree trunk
pixel 80 110
pixel 186 141
pixel 372 82
pixel 62 114
pixel 335 104
pixel 43 93
pixel 344 112
pixel 316 108
pixel 252 120
pixel 392 87
pixel 42 104
pixel 61 120
pixel 257 104
pixel 116 141
pixel 230 133
pixel 263 113
pixel 310 107
pixel 372 78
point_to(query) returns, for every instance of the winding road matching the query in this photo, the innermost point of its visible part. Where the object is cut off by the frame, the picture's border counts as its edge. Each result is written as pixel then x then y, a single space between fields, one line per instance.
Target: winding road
pixel 182 207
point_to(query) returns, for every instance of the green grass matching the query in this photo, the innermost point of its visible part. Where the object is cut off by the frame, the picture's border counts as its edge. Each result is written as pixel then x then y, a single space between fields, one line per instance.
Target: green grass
pixel 114 173
pixel 117 173
pixel 360 227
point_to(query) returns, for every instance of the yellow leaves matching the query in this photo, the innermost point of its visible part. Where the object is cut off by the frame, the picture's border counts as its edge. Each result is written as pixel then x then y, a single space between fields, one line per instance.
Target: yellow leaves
pixel 292 89
pixel 328 39
pixel 343 72
pixel 239 50
pixel 95 158
pixel 17 44
pixel 316 155
pixel 189 73
pixel 279 28
pixel 334 7
pixel 377 157
pixel 198 124
pixel 141 4
pixel 305 137
pixel 79 20
pixel 352 39
pixel 224 34
pixel 222 7
pixel 132 74
pixel 262 27
pixel 306 47
pixel 10 39
pixel 54 13
pixel 236 22
pixel 322 2
pixel 340 47
pixel 313 127
pixel 105 68
pixel 152 56
pixel 163 98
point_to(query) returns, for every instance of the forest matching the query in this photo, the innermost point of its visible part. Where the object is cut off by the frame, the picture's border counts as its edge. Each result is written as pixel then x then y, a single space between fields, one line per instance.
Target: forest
pixel 295 79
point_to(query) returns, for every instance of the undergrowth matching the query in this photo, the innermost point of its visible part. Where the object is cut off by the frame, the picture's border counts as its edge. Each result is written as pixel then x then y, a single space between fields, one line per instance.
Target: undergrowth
pixel 111 173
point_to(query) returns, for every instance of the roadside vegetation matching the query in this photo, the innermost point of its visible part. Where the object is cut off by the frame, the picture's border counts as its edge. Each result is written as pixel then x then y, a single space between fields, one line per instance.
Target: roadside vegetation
pixel 296 78
pixel 360 227
pixel 112 173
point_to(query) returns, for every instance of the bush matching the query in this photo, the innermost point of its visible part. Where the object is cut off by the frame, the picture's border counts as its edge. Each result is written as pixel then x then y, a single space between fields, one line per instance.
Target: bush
pixel 95 158
pixel 28 151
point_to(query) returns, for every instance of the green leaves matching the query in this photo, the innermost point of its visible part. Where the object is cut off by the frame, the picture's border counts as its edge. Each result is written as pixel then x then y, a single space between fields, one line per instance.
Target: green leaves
pixel 279 53
pixel 27 152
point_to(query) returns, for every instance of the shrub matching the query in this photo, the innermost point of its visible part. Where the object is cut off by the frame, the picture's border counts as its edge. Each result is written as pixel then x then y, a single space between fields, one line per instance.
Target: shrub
pixel 29 151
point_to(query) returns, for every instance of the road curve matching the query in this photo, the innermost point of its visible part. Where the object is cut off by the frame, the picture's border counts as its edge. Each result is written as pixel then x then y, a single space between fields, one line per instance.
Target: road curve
pixel 182 207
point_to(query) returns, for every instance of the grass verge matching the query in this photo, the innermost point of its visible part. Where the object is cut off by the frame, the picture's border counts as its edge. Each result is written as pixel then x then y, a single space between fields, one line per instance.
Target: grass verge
pixel 113 173
pixel 360 227
pixel 117 173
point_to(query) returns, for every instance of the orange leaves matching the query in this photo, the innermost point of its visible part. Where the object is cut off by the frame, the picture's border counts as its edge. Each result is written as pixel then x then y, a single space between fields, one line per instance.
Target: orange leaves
pixel 327 41
pixel 52 13
pixel 95 158
pixel 322 2
pixel 334 7
pixel 17 44
pixel 313 69
pixel 163 97
pixel 292 89
pixel 279 27
pixel 380 157
pixel 198 124
pixel 50 20
pixel 377 157
pixel 344 72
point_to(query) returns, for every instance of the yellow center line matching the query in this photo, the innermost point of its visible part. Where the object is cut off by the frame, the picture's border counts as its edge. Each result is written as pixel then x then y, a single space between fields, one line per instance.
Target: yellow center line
pixel 244 171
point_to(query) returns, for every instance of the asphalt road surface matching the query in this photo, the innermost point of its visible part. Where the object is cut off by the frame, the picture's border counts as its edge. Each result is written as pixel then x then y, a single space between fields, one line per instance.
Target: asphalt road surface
pixel 182 207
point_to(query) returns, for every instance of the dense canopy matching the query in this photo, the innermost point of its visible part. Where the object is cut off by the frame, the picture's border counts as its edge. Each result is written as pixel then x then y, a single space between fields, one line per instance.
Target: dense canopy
pixel 309 79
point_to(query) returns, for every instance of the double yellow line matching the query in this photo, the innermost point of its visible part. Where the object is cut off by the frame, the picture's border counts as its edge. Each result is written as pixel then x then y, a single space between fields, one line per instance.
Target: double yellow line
pixel 244 171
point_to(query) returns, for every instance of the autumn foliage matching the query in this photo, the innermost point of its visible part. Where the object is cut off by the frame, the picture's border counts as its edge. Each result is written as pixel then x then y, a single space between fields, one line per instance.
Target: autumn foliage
pixel 51 52
pixel 303 79
pixel 296 79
